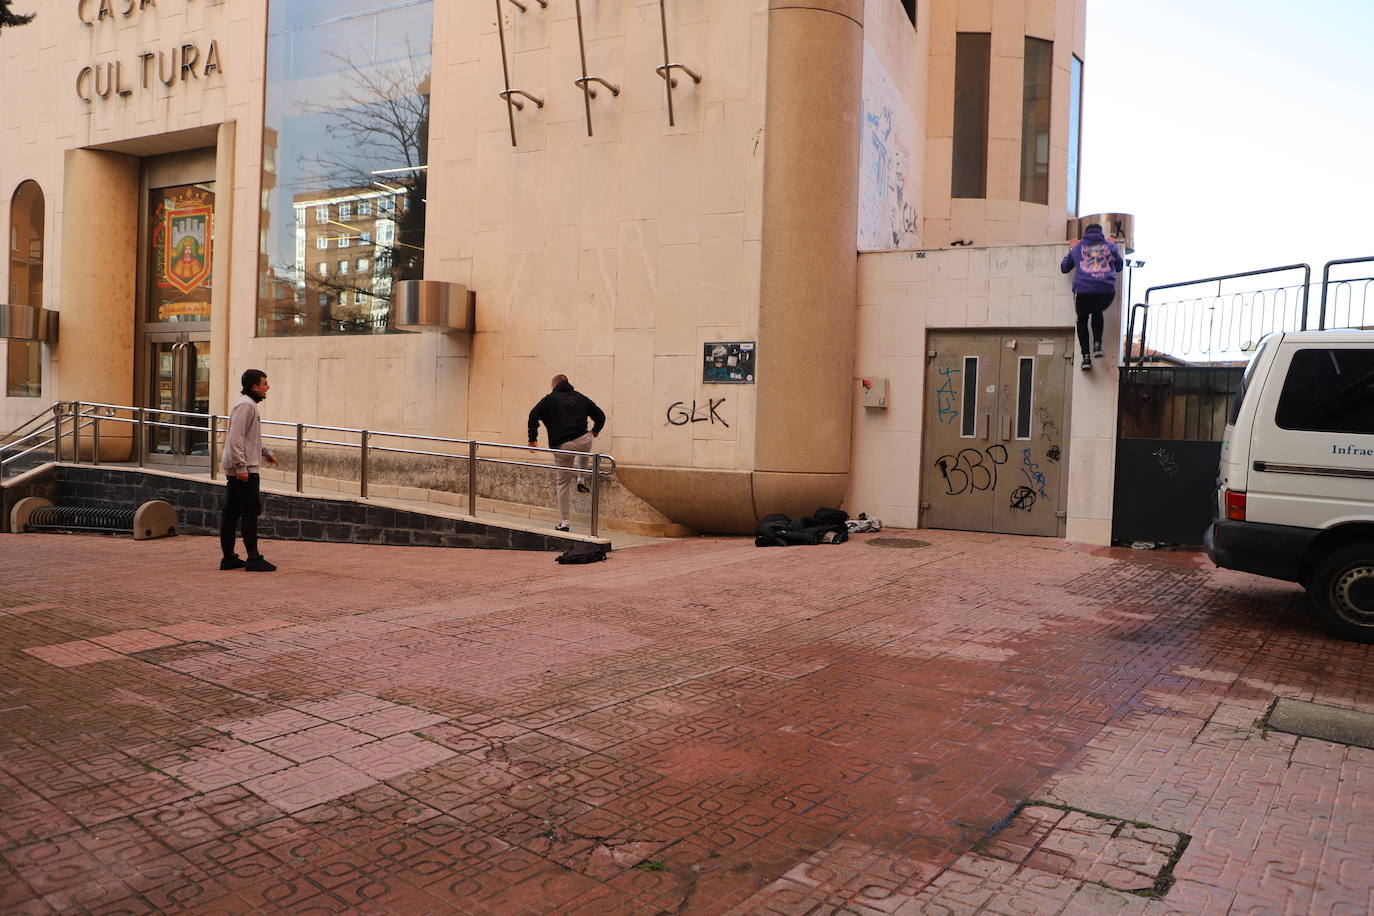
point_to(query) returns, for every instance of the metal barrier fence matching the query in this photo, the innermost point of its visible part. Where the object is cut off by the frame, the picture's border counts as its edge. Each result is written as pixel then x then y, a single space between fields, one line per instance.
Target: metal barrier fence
pixel 1224 320
pixel 62 428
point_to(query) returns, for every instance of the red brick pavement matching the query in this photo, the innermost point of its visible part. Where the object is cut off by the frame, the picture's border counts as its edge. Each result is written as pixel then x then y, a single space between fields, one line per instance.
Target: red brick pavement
pixel 986 724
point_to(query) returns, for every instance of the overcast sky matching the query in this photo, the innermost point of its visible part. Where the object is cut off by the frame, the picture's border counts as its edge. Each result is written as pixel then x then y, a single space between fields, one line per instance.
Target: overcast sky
pixel 1239 132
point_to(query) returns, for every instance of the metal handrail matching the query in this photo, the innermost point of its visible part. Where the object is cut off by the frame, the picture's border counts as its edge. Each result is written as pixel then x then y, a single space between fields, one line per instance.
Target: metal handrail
pixel 88 415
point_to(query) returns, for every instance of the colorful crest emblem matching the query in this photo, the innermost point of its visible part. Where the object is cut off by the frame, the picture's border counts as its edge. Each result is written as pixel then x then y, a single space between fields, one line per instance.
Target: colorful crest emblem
pixel 186 229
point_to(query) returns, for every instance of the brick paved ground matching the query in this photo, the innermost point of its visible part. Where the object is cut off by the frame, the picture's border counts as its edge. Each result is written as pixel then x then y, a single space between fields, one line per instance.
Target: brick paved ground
pixel 991 724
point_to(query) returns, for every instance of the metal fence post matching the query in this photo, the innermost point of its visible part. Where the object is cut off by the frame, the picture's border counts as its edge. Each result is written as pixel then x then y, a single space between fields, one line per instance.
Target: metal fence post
pixel 596 490
pixel 214 446
pixel 472 478
pixel 300 457
pixel 95 438
pixel 362 466
pixel 76 432
pixel 57 431
pixel 141 440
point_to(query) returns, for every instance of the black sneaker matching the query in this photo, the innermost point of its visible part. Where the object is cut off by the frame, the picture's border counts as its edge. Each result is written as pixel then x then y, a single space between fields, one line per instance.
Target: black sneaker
pixel 1097 350
pixel 1087 363
pixel 259 564
pixel 232 562
pixel 583 488
pixel 560 527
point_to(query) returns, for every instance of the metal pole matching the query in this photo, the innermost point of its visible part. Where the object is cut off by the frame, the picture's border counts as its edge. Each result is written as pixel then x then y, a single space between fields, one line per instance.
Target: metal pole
pixel 596 490
pixel 141 441
pixel 582 51
pixel 214 447
pixel 57 431
pixel 362 467
pixel 76 432
pixel 300 457
pixel 472 478
pixel 667 73
pixel 95 438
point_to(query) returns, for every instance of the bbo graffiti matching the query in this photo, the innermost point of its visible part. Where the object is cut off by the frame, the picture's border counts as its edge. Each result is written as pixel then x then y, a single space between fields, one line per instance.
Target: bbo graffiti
pixel 971 470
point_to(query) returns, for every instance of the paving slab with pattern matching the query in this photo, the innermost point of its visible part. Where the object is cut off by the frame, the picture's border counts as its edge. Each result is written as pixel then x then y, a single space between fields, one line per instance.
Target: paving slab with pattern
pixel 982 724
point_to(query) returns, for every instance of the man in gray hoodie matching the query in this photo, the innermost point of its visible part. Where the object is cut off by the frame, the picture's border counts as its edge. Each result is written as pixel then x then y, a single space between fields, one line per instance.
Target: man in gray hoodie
pixel 241 460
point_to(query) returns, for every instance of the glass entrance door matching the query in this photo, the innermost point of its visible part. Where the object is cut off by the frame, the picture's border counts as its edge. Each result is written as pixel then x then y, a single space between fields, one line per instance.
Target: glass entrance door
pixel 180 385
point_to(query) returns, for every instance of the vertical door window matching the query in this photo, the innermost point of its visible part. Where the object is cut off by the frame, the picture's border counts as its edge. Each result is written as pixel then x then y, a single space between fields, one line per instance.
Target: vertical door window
pixel 969 427
pixel 1075 130
pixel 972 62
pixel 1025 387
pixel 181 224
pixel 24 372
pixel 1035 121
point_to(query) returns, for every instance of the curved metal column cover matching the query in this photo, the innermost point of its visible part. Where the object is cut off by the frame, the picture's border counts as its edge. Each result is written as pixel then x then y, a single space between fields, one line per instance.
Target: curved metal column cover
pixel 432 305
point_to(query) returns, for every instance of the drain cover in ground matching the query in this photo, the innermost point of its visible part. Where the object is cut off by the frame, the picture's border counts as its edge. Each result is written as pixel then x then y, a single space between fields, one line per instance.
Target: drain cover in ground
pixel 1329 723
pixel 904 543
pixel 1092 848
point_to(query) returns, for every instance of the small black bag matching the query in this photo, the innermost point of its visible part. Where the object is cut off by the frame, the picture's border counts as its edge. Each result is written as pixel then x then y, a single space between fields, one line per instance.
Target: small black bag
pixel 770 529
pixel 831 516
pixel 583 553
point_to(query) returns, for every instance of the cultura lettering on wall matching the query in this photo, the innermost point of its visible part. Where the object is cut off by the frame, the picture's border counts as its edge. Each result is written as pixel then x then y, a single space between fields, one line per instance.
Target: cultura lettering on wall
pixel 182 63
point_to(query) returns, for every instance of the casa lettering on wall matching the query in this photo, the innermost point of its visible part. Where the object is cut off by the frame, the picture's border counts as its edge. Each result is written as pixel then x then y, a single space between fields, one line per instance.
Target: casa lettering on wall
pixel 118 78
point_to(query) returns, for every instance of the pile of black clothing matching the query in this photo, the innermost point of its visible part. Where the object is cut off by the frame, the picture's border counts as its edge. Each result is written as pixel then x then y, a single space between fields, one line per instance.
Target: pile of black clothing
pixel 824 526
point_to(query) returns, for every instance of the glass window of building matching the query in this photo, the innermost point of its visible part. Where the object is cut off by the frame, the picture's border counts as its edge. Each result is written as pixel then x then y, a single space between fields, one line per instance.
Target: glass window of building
pixel 343 267
pixel 362 265
pixel 365 238
pixel 24 369
pixel 1075 130
pixel 972 63
pixel 324 268
pixel 347 120
pixel 1035 121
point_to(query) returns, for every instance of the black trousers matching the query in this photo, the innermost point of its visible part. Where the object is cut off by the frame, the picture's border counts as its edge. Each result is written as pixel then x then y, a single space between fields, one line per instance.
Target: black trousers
pixel 1090 307
pixel 242 506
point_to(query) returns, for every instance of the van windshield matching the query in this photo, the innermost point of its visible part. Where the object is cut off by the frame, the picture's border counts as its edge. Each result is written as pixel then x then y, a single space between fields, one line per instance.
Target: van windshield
pixel 1239 399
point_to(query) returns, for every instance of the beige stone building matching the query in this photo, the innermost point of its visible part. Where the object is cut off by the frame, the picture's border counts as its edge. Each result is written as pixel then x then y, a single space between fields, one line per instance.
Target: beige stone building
pixel 789 275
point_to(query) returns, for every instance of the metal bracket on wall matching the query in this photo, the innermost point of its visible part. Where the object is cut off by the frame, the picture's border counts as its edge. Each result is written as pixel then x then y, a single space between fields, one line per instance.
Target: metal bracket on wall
pixel 512 106
pixel 584 83
pixel 666 71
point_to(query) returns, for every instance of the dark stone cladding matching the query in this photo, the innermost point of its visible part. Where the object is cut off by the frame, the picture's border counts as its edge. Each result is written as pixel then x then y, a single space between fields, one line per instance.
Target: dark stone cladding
pixel 288 518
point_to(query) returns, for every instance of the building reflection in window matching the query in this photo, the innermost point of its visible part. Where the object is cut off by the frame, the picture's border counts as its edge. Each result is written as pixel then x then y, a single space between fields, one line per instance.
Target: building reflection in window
pixel 24 368
pixel 344 162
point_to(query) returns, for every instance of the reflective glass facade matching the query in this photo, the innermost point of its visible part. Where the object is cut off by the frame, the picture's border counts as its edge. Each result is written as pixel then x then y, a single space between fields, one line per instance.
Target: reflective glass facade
pixel 345 153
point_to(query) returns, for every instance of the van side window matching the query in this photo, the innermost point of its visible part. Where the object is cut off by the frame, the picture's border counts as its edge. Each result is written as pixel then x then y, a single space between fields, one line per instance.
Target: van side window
pixel 1329 391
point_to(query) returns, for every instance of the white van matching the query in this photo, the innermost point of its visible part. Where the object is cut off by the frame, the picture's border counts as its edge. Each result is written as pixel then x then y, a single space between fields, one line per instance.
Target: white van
pixel 1295 494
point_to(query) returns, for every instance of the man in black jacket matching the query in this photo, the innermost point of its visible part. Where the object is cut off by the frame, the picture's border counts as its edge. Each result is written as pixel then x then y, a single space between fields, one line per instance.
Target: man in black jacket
pixel 564 413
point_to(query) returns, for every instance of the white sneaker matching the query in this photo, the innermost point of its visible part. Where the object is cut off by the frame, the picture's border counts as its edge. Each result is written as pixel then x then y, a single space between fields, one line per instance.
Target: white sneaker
pixel 562 526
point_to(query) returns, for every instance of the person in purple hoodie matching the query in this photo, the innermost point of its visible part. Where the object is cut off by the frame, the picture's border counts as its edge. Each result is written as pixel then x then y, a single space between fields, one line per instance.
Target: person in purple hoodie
pixel 1096 261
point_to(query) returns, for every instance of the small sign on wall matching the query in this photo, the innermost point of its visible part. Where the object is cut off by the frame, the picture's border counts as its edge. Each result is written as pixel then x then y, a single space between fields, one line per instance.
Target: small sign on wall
pixel 728 363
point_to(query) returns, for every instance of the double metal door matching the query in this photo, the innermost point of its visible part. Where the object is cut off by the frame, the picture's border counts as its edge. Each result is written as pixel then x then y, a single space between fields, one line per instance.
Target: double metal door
pixel 179 377
pixel 996 432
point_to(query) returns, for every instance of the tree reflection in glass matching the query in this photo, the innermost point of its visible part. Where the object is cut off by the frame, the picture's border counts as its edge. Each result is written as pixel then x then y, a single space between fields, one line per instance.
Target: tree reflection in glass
pixel 345 148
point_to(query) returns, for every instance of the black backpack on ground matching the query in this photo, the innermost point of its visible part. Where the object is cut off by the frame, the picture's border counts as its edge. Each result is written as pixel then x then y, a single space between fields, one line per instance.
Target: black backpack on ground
pixel 826 526
pixel 583 553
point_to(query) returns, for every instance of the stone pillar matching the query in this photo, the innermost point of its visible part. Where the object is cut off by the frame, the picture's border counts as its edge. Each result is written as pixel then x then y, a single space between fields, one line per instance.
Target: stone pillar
pixel 98 288
pixel 221 385
pixel 809 258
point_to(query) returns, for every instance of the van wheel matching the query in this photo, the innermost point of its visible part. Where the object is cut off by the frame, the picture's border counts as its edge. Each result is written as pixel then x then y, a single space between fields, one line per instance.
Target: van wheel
pixel 1341 590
